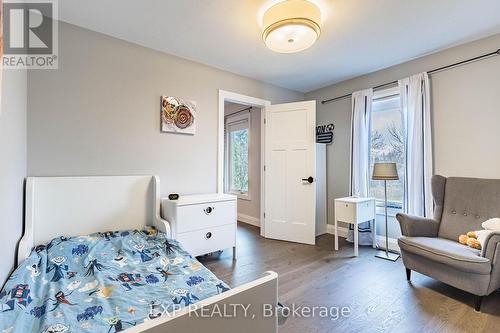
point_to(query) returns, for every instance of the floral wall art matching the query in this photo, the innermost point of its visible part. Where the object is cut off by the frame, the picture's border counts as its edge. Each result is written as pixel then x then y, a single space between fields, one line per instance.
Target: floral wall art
pixel 178 115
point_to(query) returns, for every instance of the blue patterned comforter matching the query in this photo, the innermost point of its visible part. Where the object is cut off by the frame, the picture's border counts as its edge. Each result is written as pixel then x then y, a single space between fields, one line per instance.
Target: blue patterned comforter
pixel 104 282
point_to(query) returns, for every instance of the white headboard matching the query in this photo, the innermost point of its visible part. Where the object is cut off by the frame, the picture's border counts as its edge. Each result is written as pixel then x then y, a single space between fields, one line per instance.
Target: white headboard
pixel 71 206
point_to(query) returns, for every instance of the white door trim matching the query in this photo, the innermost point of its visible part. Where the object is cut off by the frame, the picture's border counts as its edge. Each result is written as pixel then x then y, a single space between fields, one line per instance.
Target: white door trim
pixel 247 100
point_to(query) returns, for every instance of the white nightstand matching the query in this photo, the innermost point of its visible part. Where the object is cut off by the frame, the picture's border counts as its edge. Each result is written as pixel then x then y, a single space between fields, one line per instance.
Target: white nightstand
pixel 355 211
pixel 202 223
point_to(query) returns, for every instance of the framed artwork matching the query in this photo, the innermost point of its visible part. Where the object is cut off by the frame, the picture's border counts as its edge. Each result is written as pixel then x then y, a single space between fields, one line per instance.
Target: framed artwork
pixel 178 115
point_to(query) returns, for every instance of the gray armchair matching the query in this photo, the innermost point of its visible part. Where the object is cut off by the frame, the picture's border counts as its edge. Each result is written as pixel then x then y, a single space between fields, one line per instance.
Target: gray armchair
pixel 430 246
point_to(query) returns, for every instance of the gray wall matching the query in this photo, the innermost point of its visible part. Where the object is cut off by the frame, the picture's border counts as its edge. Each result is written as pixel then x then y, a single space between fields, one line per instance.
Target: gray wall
pixel 12 165
pixel 251 207
pixel 465 107
pixel 99 113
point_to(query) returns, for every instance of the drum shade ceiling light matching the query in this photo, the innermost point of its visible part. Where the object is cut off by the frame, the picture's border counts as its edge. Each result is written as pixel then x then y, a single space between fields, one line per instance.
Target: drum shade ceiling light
pixel 291 26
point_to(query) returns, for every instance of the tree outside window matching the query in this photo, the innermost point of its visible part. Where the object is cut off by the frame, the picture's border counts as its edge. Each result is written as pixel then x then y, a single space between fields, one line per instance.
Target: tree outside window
pixel 239 161
pixel 237 155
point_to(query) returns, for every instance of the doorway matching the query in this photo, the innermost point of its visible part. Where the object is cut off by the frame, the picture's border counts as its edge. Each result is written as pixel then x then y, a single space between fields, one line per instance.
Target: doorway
pixel 242 159
pixel 240 162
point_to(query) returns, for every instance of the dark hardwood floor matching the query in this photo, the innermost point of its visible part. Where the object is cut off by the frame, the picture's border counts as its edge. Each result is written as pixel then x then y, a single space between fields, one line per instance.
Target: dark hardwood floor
pixel 376 291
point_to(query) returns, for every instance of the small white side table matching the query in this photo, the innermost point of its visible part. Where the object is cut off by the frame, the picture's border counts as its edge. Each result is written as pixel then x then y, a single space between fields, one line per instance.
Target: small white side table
pixel 355 211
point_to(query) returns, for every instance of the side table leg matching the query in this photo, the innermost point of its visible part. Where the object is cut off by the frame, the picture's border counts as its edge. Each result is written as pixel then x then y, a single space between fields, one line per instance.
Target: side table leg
pixel 356 236
pixel 336 236
pixel 374 233
pixel 374 230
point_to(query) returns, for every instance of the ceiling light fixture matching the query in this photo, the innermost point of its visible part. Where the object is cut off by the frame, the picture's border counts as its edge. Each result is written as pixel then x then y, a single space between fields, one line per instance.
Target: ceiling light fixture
pixel 291 26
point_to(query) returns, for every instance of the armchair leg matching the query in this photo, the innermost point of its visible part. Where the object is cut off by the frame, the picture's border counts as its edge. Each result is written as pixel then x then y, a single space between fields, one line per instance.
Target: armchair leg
pixel 408 274
pixel 477 303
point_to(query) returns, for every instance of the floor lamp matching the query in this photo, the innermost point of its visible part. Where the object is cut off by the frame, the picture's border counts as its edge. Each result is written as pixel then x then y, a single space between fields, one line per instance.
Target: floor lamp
pixel 385 172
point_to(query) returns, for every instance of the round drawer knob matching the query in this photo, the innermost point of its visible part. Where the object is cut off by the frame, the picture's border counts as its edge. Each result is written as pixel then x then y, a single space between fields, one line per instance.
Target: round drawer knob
pixel 208 235
pixel 209 210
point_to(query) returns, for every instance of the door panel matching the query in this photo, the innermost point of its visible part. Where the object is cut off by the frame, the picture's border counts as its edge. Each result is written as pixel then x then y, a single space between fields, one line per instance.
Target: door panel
pixel 277 201
pixel 290 152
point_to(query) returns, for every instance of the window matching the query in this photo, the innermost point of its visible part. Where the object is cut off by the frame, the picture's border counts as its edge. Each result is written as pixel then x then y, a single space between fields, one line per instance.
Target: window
pixel 237 144
pixel 387 145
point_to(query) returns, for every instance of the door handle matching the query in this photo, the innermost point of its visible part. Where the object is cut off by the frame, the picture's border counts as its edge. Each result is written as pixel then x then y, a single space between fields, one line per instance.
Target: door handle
pixel 309 179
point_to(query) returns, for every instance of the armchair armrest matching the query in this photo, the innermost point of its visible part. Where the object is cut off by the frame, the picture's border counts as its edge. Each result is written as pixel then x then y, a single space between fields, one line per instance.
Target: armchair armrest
pixel 415 226
pixel 491 250
pixel 490 245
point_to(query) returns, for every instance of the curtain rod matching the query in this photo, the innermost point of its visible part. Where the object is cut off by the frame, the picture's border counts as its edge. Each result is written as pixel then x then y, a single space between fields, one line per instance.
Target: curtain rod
pixel 245 109
pixel 463 62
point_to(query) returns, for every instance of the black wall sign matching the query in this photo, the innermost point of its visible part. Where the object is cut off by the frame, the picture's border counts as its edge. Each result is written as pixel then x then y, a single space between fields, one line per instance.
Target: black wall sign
pixel 324 133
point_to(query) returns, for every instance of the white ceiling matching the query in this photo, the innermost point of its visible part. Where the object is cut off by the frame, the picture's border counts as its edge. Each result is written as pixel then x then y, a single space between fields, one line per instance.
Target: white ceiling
pixel 358 36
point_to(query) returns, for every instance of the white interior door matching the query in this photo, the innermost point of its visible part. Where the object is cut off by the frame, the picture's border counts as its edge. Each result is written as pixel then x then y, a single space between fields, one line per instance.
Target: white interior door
pixel 290 159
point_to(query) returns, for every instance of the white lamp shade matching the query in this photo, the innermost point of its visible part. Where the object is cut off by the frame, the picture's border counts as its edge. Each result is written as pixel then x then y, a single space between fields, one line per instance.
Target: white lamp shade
pixel 385 171
pixel 291 26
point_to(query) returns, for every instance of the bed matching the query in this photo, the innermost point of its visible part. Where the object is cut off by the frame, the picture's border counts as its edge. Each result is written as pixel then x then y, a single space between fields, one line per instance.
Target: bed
pixel 97 257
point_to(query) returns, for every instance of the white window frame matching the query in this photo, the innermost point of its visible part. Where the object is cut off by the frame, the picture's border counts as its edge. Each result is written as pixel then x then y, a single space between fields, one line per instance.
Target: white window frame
pixel 234 120
pixel 386 93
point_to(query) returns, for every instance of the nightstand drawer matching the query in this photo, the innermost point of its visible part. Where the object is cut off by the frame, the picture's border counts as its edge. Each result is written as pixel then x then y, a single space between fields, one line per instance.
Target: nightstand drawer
pixel 209 239
pixel 206 215
pixel 345 211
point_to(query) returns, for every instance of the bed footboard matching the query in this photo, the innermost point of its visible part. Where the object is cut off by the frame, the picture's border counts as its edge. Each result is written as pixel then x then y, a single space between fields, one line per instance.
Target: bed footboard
pixel 243 309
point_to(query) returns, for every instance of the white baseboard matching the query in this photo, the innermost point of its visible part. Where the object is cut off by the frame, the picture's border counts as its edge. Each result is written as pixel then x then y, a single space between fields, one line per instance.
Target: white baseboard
pixel 249 219
pixel 393 243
